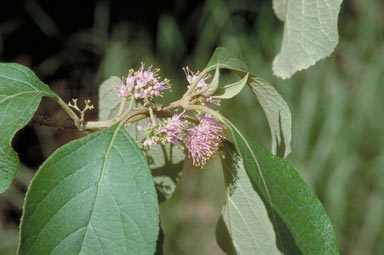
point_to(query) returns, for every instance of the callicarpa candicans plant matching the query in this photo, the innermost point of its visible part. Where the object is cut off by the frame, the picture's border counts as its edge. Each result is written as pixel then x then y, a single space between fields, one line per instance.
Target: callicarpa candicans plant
pixel 100 194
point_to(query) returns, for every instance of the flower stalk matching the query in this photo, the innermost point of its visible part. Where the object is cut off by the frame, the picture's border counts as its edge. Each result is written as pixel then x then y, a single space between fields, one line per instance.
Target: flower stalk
pixel 201 135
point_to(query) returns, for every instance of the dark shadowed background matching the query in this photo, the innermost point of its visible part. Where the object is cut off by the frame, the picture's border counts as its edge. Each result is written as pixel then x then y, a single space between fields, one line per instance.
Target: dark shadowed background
pixel 337 105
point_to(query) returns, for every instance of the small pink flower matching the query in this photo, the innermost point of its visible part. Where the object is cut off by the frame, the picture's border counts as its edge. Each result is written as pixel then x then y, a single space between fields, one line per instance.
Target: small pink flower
pixel 191 77
pixel 130 80
pixel 210 100
pixel 162 129
pixel 202 84
pixel 150 141
pixel 203 141
pixel 175 127
pixel 122 90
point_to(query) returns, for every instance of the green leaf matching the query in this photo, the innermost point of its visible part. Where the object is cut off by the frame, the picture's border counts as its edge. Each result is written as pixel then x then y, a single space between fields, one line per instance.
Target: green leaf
pixel 93 196
pixel 275 108
pixel 20 95
pixel 223 58
pixel 310 33
pixel 282 189
pixel 231 90
pixel 244 214
pixel 277 112
pixel 109 102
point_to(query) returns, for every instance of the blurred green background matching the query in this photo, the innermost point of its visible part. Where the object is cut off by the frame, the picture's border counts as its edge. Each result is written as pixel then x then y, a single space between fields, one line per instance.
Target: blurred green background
pixel 337 105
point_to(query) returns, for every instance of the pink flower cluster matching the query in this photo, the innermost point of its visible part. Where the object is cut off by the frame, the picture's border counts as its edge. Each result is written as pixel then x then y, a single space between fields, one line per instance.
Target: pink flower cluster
pixel 204 140
pixel 142 84
pixel 202 84
pixel 170 131
pixel 173 128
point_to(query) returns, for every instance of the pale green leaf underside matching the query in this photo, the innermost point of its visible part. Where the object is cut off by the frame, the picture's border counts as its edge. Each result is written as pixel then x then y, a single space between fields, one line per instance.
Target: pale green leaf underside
pixel 277 112
pixel 244 212
pixel 275 108
pixel 231 90
pixel 310 33
pixel 280 7
pixel 285 192
pixel 93 196
pixel 20 95
pixel 166 163
pixel 109 102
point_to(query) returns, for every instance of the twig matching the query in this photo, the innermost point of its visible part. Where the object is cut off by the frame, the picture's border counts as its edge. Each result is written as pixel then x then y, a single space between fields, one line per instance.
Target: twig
pixel 122 106
pixel 71 113
pixel 46 121
pixel 129 116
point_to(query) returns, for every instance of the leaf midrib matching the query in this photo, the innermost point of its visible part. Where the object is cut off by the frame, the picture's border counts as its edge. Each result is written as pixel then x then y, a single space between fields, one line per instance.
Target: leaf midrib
pixel 110 145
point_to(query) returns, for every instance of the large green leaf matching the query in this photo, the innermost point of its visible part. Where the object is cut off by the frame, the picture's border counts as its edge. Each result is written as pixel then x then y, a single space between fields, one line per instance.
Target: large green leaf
pixel 274 106
pixel 93 196
pixel 310 33
pixel 282 189
pixel 244 213
pixel 20 95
